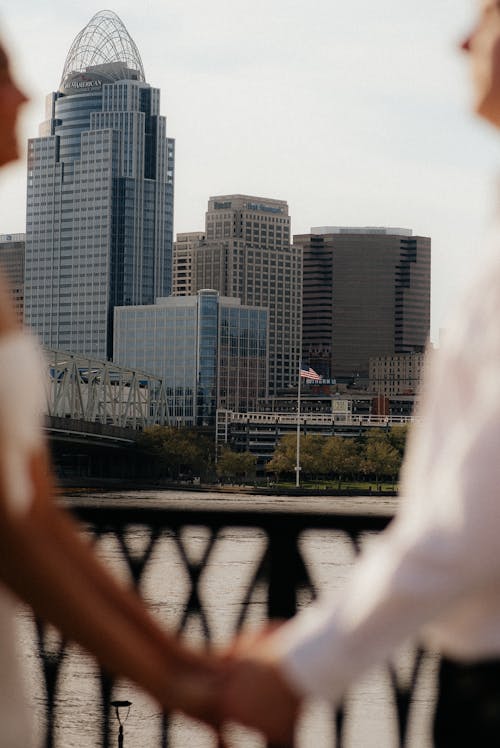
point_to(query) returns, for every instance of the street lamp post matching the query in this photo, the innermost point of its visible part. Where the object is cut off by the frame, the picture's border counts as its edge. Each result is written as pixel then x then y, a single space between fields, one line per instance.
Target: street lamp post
pixel 121 705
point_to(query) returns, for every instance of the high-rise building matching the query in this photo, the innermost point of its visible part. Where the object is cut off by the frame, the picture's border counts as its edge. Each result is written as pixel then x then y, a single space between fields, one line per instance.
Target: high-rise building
pixel 185 247
pixel 247 255
pixel 210 351
pixel 12 248
pixel 100 194
pixel 366 293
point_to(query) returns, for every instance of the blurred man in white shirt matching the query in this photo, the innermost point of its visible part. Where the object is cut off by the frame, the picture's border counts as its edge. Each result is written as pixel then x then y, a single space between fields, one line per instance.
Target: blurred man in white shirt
pixel 435 573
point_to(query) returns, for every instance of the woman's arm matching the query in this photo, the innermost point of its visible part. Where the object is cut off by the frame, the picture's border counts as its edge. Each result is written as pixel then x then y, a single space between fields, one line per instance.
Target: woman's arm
pixel 47 564
pixel 45 561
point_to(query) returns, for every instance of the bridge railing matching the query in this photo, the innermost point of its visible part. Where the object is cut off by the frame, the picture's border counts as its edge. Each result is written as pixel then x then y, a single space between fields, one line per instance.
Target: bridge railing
pixel 313 419
pixel 282 578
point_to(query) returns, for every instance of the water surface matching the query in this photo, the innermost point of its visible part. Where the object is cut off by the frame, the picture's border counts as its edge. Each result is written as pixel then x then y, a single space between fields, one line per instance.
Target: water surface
pixel 330 557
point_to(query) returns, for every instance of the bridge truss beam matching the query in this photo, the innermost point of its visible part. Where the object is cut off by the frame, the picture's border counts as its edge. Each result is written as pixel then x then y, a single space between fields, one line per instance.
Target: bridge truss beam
pixel 89 389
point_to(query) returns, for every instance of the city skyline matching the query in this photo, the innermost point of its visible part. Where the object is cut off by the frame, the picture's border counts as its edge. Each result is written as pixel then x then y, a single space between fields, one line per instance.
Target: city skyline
pixel 301 105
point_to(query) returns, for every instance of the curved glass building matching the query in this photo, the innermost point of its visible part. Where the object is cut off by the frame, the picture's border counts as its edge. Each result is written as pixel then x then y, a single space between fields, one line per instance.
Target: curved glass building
pixel 100 195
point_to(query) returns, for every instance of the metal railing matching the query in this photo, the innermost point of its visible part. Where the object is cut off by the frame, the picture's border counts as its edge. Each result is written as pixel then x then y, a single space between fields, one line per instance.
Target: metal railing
pixel 314 419
pixel 281 576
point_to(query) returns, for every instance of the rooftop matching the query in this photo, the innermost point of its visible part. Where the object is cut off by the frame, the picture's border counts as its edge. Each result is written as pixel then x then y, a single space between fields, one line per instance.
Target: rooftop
pixel 103 46
pixel 382 230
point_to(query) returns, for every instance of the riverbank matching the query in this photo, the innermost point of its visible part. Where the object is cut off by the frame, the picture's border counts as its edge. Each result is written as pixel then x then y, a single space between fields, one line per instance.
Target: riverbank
pixel 115 484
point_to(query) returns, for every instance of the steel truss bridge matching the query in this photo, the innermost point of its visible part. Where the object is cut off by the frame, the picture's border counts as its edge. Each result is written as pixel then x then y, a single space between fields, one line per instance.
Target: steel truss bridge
pixel 81 388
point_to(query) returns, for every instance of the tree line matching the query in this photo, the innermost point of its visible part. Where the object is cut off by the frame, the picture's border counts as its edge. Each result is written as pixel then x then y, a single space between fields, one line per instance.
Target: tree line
pixel 180 453
pixel 376 455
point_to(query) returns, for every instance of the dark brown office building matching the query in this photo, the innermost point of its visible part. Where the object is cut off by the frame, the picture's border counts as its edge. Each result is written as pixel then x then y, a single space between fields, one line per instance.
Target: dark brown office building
pixel 366 292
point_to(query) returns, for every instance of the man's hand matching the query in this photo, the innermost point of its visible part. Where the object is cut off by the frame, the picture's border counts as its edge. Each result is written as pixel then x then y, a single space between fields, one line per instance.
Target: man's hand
pixel 256 693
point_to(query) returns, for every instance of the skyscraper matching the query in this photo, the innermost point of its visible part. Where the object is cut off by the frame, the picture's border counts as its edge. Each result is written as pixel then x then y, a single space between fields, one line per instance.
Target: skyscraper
pixel 100 195
pixel 184 250
pixel 366 293
pixel 247 255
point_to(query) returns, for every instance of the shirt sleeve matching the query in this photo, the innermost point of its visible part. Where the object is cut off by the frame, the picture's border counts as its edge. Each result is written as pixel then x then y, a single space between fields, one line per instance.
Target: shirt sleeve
pixel 22 404
pixel 444 542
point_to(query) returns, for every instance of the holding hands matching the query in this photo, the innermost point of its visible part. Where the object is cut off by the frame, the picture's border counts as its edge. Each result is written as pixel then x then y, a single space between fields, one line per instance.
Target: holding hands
pixel 255 691
pixel 245 685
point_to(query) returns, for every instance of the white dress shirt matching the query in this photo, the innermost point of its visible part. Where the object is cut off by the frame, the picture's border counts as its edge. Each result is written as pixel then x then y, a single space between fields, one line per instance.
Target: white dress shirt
pixel 436 571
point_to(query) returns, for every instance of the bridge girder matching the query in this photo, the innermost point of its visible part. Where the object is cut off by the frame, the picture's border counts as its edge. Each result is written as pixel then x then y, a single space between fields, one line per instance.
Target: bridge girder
pixel 88 389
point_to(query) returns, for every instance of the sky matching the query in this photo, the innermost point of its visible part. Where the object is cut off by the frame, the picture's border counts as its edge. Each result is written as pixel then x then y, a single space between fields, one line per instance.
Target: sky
pixel 356 113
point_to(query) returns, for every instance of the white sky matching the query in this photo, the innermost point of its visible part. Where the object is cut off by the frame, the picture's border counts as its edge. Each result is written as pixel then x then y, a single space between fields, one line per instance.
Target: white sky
pixel 355 111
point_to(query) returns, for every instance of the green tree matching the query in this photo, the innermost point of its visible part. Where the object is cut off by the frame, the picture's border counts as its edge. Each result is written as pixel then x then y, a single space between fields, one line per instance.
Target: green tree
pixel 238 466
pixel 342 457
pixel 311 455
pixel 177 452
pixel 284 456
pixel 380 459
pixel 397 437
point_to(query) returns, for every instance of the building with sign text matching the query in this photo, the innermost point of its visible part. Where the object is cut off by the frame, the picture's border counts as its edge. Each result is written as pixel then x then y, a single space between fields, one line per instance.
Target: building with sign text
pixel 100 195
pixel 246 253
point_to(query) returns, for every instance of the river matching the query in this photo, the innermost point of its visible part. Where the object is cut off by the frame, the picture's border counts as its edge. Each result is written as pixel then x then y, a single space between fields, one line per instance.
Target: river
pixel 330 556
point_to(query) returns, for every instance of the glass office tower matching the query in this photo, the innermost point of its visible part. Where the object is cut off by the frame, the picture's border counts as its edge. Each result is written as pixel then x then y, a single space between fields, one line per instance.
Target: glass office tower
pixel 210 351
pixel 100 195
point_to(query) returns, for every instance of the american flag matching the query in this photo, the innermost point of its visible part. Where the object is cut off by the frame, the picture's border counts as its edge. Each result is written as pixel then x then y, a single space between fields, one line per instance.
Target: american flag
pixel 309 374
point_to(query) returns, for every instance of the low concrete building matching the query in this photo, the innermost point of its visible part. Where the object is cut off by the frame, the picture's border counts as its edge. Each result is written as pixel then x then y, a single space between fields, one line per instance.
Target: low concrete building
pixel 12 251
pixel 396 375
pixel 259 433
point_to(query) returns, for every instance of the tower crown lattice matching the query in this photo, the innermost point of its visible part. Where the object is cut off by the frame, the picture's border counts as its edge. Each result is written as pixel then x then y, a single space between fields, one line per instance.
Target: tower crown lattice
pixel 104 41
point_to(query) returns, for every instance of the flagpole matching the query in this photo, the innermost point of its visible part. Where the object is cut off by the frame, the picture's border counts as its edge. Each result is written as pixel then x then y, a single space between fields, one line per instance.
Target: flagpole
pixel 297 466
